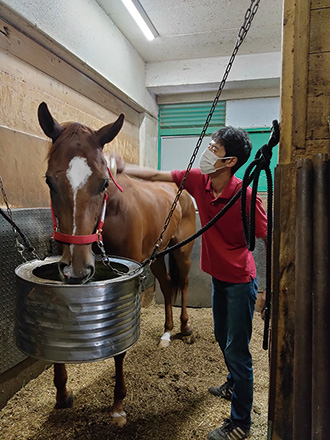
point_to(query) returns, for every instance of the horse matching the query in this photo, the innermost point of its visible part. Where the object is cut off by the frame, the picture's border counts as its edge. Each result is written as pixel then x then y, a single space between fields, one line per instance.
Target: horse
pixel 81 187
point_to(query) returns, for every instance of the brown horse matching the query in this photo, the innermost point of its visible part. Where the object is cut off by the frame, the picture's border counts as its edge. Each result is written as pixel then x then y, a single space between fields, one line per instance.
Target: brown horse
pixel 78 178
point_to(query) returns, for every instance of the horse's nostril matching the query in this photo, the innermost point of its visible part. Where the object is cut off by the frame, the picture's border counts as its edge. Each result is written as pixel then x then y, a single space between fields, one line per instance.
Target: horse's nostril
pixel 64 270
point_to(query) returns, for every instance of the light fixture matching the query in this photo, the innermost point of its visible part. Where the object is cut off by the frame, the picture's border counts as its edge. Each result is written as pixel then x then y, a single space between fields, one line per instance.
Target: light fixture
pixel 141 18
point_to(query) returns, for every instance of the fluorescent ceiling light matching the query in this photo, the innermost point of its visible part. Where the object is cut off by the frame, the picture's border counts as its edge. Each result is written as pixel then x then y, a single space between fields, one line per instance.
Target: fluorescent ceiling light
pixel 141 18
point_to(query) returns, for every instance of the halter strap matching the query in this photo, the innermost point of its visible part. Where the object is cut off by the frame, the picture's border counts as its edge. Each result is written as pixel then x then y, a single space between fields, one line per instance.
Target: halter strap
pixel 80 239
pixel 113 179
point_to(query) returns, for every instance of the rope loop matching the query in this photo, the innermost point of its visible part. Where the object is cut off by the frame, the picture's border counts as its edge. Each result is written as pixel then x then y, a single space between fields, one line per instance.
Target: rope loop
pixel 252 174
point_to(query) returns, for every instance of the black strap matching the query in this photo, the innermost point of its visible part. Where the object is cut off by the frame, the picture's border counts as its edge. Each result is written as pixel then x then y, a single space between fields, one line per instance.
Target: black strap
pixel 26 241
pixel 261 162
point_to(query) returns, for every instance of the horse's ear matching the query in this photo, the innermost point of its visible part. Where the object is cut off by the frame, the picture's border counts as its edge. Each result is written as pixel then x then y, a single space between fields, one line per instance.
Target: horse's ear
pixel 110 131
pixel 49 125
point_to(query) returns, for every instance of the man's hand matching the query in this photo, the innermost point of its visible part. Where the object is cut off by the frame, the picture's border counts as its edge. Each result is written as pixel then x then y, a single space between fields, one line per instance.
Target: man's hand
pixel 119 161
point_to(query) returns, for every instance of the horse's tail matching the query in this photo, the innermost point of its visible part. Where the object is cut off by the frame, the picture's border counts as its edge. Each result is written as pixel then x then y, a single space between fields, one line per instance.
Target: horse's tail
pixel 175 276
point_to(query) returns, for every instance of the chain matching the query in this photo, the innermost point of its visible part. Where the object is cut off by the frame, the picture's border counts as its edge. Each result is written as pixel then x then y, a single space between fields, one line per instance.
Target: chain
pixel 249 15
pixel 19 246
pixel 106 261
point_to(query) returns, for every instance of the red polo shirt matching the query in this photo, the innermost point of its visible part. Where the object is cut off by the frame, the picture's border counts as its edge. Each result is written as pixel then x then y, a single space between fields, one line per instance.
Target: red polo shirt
pixel 224 254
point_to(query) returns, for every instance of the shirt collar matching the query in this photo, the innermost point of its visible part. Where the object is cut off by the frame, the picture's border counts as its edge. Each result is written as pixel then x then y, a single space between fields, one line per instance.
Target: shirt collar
pixel 230 188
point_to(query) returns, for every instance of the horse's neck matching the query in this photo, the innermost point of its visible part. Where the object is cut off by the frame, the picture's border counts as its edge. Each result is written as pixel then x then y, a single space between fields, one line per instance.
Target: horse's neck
pixel 114 192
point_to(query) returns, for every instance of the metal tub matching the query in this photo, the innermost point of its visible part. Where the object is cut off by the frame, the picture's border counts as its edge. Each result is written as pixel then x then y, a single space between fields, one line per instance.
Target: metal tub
pixel 66 323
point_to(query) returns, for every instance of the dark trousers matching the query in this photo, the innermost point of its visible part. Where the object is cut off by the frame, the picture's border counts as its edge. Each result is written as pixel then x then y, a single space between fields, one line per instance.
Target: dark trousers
pixel 233 307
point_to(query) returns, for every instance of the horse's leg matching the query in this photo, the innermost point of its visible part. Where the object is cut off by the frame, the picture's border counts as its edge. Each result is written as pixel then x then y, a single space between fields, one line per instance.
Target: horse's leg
pixel 64 395
pixel 117 411
pixel 159 270
pixel 182 258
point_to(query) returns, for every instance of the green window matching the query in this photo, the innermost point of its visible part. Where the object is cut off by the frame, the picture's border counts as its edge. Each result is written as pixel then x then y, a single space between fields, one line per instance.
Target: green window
pixel 189 119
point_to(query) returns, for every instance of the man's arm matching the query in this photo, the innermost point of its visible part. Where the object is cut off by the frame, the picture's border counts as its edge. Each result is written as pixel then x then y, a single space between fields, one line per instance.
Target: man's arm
pixel 146 173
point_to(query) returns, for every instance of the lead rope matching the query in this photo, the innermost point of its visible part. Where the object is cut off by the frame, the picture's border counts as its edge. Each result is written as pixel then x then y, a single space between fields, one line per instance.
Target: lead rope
pixel 248 17
pixel 261 162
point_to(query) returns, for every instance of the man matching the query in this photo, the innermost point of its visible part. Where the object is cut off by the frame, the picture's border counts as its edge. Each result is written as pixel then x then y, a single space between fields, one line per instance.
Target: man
pixel 225 257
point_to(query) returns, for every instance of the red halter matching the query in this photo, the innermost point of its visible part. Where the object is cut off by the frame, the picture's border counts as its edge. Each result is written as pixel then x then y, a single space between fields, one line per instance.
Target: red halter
pixel 83 239
pixel 80 239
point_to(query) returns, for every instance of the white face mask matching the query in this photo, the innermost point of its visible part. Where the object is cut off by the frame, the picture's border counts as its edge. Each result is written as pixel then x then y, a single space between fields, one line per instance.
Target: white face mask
pixel 208 160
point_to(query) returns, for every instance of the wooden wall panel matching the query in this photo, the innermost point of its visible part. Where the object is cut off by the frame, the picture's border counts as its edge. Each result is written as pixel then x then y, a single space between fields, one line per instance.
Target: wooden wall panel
pixel 23 166
pixel 318 96
pixel 319 4
pixel 320 35
pixel 282 310
pixel 294 79
pixel 80 78
pixel 305 112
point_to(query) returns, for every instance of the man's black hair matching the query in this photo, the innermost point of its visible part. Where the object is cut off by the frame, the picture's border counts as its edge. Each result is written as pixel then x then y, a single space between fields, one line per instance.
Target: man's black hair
pixel 236 143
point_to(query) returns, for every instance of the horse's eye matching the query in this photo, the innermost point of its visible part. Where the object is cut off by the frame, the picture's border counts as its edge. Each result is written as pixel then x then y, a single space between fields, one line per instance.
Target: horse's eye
pixel 49 183
pixel 105 185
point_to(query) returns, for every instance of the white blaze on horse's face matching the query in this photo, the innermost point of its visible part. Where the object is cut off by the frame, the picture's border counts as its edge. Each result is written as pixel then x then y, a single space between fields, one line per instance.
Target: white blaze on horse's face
pixel 78 174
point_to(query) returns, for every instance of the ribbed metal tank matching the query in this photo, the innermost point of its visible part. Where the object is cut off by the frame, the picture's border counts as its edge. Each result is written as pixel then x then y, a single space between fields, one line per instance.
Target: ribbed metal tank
pixel 67 323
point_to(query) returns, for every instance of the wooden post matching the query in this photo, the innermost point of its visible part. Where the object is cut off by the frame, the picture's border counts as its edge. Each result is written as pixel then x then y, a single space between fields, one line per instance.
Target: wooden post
pixel 305 109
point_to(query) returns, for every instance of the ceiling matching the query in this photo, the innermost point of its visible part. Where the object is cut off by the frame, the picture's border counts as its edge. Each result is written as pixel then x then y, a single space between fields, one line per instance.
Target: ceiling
pixel 194 29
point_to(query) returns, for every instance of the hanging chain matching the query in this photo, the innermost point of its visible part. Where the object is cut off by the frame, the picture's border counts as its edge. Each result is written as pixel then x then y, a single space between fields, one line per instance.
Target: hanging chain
pixel 107 262
pixel 18 244
pixel 249 15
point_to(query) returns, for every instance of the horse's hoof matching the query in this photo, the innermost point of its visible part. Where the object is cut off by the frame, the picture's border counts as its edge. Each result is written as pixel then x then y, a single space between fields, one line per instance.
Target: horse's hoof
pixel 68 403
pixel 163 343
pixel 187 332
pixel 165 340
pixel 189 339
pixel 118 419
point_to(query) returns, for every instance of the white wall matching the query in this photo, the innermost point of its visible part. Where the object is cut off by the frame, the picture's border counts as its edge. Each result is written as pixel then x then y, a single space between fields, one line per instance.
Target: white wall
pixel 249 71
pixel 252 113
pixel 83 28
pixel 149 142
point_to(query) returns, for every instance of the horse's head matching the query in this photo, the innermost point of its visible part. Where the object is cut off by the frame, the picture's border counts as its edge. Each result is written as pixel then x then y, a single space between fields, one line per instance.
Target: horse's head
pixel 77 176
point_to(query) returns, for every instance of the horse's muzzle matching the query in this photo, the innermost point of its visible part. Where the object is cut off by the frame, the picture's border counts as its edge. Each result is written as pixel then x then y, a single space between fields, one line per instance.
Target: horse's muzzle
pixel 69 276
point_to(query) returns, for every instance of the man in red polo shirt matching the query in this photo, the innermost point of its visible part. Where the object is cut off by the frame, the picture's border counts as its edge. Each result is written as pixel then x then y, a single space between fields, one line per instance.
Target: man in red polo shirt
pixel 231 265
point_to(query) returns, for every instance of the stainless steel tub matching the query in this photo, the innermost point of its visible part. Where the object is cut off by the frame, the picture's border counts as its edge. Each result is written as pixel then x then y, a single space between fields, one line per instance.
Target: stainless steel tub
pixel 67 323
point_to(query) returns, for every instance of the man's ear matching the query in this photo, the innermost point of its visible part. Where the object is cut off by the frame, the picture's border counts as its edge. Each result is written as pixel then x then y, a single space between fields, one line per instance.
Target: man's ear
pixel 228 163
pixel 231 162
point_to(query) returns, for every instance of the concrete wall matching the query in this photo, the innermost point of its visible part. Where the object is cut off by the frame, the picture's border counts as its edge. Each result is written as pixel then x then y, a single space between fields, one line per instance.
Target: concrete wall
pixel 258 74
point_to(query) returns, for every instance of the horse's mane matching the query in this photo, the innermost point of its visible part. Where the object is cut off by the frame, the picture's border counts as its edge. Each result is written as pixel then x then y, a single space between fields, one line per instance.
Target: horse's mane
pixel 70 129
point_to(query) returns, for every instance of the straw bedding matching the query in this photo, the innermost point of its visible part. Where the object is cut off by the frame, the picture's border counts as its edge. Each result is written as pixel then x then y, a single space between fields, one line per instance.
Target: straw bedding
pixel 167 390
